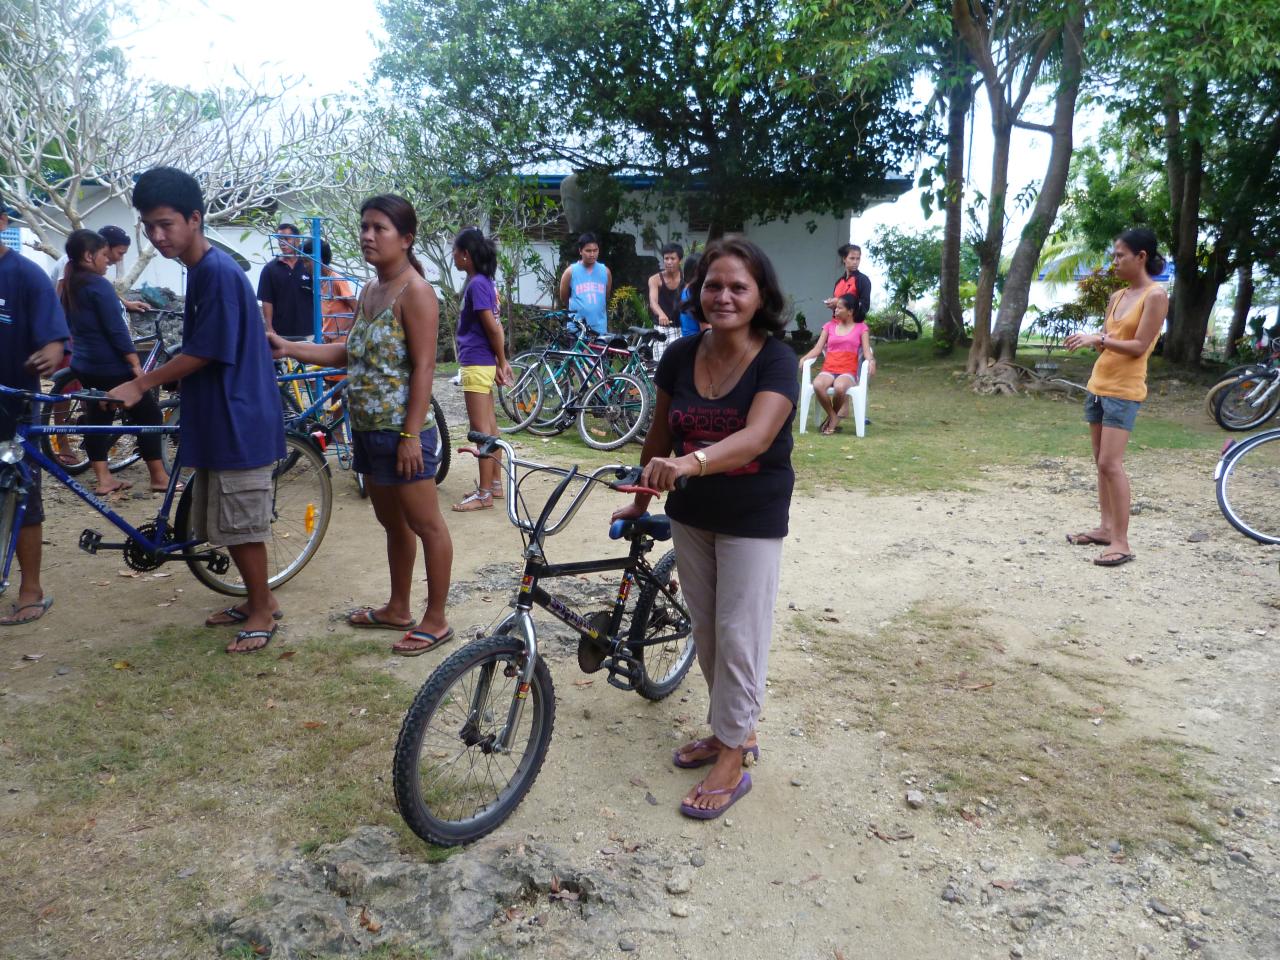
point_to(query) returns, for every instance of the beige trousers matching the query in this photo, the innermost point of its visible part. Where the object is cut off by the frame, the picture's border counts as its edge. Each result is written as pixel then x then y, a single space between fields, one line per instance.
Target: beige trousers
pixel 730 585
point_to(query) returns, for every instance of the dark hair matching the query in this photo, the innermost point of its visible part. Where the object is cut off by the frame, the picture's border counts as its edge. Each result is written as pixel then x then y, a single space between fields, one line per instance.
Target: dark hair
pixel 1142 240
pixel 79 243
pixel 482 250
pixel 854 306
pixel 326 251
pixel 281 228
pixel 114 236
pixel 402 216
pixel 671 248
pixel 690 269
pixel 847 248
pixel 587 238
pixel 168 187
pixel 769 317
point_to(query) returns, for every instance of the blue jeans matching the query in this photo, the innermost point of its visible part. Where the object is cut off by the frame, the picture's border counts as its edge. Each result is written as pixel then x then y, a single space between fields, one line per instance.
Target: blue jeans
pixel 1111 411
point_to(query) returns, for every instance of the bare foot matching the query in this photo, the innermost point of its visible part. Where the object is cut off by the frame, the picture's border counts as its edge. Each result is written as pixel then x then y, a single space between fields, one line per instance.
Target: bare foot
pixel 716 789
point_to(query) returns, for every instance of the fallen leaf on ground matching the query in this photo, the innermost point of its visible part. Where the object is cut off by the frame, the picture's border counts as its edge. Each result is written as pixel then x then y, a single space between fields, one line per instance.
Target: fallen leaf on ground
pixel 106 779
pixel 122 665
pixel 287 655
pixel 637 782
pixel 584 683
pixel 1004 884
pixel 271 704
pixel 102 583
pixel 160 575
pixel 131 574
pixel 33 656
pixel 366 921
pixel 312 724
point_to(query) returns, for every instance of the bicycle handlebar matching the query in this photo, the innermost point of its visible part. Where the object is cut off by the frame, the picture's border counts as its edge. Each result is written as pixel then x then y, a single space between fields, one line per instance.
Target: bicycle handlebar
pixel 96 396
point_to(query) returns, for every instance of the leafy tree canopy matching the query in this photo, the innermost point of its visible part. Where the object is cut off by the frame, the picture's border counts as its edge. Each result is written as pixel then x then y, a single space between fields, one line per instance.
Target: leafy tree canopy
pixel 633 86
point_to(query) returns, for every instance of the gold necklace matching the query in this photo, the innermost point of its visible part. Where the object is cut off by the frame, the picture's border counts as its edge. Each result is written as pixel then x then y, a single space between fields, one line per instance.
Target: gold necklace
pixel 713 393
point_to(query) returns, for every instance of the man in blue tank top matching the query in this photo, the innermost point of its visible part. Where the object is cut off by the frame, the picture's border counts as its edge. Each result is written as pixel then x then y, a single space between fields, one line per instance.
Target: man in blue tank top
pixel 586 286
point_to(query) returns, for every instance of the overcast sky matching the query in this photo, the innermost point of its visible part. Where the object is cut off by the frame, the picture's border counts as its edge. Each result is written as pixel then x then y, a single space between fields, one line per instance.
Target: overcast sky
pixel 196 43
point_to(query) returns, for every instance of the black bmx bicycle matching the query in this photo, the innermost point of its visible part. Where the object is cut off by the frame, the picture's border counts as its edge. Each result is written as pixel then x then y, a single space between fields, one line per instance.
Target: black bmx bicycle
pixel 477 733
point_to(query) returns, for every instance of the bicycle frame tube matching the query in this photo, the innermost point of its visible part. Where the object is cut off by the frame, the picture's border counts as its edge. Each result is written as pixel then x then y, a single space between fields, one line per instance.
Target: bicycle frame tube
pixel 97 503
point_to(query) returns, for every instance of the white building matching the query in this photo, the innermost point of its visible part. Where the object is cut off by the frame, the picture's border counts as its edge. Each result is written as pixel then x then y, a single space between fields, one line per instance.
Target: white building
pixel 802 248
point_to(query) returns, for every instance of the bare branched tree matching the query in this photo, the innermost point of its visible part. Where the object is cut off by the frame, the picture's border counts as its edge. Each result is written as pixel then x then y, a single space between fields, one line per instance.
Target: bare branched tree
pixel 76 128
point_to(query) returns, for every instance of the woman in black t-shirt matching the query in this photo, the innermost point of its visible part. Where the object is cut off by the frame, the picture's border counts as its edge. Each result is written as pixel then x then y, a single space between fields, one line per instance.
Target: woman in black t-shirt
pixel 726 399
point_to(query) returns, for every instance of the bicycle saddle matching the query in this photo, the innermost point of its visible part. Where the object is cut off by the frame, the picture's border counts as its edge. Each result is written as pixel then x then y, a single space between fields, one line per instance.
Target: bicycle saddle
pixel 658 527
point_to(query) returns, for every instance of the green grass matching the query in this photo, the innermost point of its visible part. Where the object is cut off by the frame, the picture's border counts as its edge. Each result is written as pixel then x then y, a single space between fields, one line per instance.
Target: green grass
pixel 188 758
pixel 930 431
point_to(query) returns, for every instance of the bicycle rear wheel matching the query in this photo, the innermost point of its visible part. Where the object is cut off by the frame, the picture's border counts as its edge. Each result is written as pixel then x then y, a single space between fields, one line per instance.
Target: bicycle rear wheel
pixel 302 501
pixel 1249 402
pixel 1248 487
pixel 453 781
pixel 613 412
pixel 661 634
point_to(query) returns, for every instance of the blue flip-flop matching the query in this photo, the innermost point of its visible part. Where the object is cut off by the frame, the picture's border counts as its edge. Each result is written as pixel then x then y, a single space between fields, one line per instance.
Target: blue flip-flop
pixel 735 794
pixel 42 605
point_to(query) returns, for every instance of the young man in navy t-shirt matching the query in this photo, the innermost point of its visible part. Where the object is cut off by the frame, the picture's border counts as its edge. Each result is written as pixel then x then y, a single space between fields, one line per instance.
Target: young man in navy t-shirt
pixel 33 341
pixel 232 428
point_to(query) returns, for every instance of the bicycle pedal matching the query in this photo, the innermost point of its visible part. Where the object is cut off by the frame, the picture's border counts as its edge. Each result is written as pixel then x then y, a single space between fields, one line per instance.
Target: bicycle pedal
pixel 90 540
pixel 625 671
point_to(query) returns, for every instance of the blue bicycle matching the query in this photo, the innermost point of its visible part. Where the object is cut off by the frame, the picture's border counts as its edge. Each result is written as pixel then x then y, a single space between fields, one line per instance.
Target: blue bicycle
pixel 302 501
pixel 310 408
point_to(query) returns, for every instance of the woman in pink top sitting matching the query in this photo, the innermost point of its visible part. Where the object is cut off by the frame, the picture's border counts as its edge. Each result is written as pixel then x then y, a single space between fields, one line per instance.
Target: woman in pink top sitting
pixel 846 340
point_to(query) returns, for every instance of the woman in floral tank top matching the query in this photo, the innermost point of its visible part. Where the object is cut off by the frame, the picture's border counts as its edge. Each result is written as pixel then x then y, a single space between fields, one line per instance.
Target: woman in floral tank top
pixel 390 356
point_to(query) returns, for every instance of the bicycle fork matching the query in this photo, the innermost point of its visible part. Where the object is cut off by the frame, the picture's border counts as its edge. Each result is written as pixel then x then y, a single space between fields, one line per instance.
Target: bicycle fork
pixel 519 622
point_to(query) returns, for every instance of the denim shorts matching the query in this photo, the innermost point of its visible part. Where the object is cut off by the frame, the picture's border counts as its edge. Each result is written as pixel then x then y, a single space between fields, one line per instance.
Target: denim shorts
pixel 1111 411
pixel 375 456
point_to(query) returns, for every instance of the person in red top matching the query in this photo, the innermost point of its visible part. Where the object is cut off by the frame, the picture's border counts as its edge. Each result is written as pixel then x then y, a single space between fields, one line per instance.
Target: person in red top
pixel 852 280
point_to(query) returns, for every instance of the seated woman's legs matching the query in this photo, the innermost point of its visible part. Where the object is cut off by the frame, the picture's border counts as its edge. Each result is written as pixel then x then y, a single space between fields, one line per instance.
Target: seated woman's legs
pixel 843 384
pixel 821 384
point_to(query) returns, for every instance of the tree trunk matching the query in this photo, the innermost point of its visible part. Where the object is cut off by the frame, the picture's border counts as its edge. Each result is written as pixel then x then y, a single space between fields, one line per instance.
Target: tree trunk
pixel 993 242
pixel 1244 303
pixel 1022 269
pixel 948 322
pixel 1194 295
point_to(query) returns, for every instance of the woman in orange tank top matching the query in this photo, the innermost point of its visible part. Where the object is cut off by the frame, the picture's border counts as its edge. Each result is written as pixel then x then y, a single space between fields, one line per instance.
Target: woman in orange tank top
pixel 1119 384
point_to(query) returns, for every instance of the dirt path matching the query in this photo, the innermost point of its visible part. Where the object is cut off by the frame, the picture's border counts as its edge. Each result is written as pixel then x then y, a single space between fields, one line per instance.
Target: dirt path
pixel 824 858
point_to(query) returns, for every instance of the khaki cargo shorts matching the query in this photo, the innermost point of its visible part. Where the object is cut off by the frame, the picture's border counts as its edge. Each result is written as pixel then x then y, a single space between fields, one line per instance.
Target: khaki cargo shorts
pixel 231 507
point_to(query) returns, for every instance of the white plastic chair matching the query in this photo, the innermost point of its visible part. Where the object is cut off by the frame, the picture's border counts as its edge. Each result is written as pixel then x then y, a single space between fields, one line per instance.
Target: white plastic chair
pixel 857 397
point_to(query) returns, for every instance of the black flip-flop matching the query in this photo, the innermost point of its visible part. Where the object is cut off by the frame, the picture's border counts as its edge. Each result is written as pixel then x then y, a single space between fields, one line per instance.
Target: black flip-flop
pixel 253 635
pixel 236 616
pixel 430 639
pixel 1118 560
pixel 373 622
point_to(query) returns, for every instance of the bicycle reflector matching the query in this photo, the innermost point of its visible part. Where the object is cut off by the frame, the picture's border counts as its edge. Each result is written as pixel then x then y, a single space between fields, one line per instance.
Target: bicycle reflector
pixel 310 520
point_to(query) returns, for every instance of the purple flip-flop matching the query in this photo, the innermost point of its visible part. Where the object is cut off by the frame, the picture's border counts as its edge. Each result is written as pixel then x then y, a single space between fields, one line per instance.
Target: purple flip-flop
pixel 736 794
pixel 704 744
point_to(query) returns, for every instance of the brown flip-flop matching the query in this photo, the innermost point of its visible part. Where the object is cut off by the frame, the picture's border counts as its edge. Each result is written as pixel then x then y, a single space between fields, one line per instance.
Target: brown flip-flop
pixel 417 642
pixel 1086 540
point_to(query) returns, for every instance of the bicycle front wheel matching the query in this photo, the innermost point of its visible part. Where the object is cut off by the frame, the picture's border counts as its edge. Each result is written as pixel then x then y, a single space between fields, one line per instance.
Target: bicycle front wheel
pixel 1248 486
pixel 519 401
pixel 302 501
pixel 661 634
pixel 1249 402
pixel 454 779
pixel 613 412
pixel 444 453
